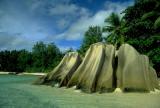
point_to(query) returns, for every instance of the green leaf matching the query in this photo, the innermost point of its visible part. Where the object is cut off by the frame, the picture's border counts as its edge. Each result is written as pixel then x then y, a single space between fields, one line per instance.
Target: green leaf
pixel 149 15
pixel 157 23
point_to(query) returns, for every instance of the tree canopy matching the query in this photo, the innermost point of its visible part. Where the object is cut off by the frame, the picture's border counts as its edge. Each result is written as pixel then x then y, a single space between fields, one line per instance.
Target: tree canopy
pixel 92 35
pixel 142 28
pixel 43 57
pixel 115 27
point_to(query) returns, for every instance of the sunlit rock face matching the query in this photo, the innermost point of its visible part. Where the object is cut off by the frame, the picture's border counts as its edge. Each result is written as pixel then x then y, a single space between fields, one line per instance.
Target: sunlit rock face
pixel 134 71
pixel 63 72
pixel 104 69
pixel 106 78
pixel 86 75
pixel 95 72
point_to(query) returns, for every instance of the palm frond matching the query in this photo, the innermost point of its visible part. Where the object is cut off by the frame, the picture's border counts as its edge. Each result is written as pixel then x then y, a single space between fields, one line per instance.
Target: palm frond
pixel 157 23
pixel 108 29
pixel 113 19
pixel 150 15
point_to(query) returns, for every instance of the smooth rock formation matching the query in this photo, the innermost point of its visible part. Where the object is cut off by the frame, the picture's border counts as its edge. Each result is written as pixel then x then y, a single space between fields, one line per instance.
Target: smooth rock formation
pixel 106 80
pixel 104 69
pixel 134 71
pixel 96 71
pixel 63 72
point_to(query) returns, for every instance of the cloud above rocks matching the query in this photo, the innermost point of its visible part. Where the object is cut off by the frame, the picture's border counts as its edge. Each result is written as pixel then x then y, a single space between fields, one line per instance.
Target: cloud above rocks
pixel 76 30
pixel 56 21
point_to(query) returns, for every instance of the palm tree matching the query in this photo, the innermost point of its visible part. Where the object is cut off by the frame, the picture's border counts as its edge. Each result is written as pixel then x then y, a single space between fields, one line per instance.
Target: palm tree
pixel 114 27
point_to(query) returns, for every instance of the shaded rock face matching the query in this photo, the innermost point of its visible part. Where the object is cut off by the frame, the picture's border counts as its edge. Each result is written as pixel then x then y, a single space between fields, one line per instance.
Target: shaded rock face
pixel 63 72
pixel 95 72
pixel 103 69
pixel 134 71
pixel 106 78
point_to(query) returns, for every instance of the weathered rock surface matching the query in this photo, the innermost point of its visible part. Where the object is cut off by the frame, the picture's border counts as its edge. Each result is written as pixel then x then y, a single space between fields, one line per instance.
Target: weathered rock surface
pixel 103 69
pixel 63 72
pixel 134 71
pixel 106 79
pixel 96 71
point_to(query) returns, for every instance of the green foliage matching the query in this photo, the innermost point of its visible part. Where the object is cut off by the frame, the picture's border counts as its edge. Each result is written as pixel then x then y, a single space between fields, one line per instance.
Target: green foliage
pixel 139 27
pixel 38 54
pixel 9 56
pixel 150 15
pixel 43 58
pixel 140 7
pixel 24 60
pixel 157 23
pixel 142 25
pixel 92 35
pixel 115 28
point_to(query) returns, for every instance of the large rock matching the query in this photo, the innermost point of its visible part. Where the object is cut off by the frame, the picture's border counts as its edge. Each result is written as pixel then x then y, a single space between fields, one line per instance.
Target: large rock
pixel 106 80
pixel 63 72
pixel 96 71
pixel 87 74
pixel 134 71
pixel 103 69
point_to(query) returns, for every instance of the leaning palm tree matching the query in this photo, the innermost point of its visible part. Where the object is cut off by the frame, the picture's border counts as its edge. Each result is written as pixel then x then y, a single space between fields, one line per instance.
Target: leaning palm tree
pixel 114 28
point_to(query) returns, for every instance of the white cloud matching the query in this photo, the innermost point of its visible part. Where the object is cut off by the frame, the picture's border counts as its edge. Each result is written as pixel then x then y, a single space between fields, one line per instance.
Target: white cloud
pixel 70 21
pixel 22 23
pixel 117 6
pixel 62 9
pixel 66 8
pixel 82 24
pixel 62 23
pixel 38 4
pixel 68 12
pixel 12 41
pixel 77 29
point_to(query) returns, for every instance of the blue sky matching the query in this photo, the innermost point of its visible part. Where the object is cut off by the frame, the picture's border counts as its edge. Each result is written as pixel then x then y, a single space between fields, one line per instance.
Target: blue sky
pixel 64 22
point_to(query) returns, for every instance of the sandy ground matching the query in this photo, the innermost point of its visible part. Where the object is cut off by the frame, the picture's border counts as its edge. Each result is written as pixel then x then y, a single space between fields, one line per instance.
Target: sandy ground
pixel 4 73
pixel 18 92
pixel 24 73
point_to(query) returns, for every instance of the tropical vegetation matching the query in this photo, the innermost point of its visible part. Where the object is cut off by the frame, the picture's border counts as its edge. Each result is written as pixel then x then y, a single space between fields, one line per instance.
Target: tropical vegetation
pixel 42 58
pixel 139 25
